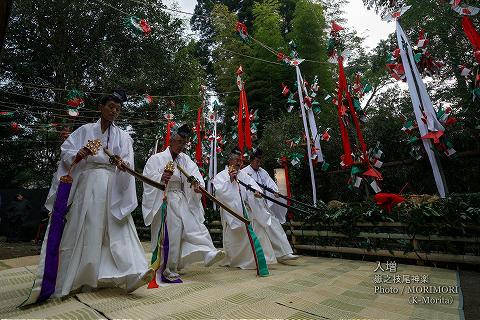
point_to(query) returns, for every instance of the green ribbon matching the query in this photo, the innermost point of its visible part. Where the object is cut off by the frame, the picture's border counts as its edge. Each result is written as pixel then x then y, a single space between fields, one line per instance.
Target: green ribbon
pixel 156 258
pixel 260 255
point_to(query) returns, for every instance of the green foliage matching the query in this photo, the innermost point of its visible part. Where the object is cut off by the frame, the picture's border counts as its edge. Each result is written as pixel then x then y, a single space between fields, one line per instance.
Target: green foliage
pixel 308 27
pixel 455 216
pixel 264 79
pixel 430 216
pixel 85 46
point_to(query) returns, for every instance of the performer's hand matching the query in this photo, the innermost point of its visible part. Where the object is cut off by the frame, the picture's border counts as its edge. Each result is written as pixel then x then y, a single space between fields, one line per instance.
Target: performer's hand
pixel 196 187
pixel 166 176
pixel 83 153
pixel 233 175
pixel 257 194
pixel 122 165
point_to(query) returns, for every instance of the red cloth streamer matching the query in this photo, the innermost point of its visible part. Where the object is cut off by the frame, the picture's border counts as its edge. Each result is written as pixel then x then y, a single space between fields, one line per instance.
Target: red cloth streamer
pixel 342 87
pixel 198 148
pixel 471 32
pixel 244 134
pixel 363 145
pixel 166 143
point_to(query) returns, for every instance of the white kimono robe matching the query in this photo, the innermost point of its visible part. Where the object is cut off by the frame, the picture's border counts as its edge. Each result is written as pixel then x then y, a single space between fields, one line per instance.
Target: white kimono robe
pixel 275 231
pixel 100 245
pixel 235 239
pixel 189 240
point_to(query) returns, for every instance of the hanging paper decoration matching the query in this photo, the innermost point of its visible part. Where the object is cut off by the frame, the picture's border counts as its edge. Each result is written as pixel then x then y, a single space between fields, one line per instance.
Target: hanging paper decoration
pixel 335 47
pixel 75 101
pixel 185 109
pixel 75 98
pixel 199 127
pixel 295 159
pixel 147 100
pixel 395 14
pixel 326 135
pixel 395 66
pixel 310 131
pixel 243 115
pixel 365 170
pixel 361 163
pixel 342 88
pixel 285 90
pixel 15 128
pixel 325 166
pixel 464 71
pixel 424 61
pixel 473 36
pixel 422 104
pixel 440 141
pixel 138 26
pixel 290 60
pixel 254 123
pixel 292 102
pixel 308 106
pixel 359 89
pixel 464 9
pixel 6 114
pixel 242 31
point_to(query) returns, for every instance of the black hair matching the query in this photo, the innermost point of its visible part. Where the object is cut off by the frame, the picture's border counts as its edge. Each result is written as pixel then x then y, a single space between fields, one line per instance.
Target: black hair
pixel 118 96
pixel 257 153
pixel 184 131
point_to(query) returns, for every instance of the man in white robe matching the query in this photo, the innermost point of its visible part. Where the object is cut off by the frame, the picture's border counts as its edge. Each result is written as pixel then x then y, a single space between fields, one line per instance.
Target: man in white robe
pixel 235 238
pixel 278 238
pixel 99 245
pixel 188 238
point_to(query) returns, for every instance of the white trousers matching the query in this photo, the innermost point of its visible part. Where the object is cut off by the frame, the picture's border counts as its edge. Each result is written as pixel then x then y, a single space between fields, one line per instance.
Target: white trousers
pixel 189 240
pixel 96 248
pixel 278 238
pixel 238 249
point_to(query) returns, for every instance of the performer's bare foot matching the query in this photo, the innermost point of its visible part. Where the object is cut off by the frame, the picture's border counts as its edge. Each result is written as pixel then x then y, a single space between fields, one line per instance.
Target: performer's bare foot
pixel 213 257
pixel 142 280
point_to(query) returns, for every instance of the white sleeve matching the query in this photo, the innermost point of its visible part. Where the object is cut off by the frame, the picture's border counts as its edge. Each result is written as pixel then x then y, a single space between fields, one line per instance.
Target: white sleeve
pixel 124 193
pixel 152 198
pixel 194 199
pixel 227 192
